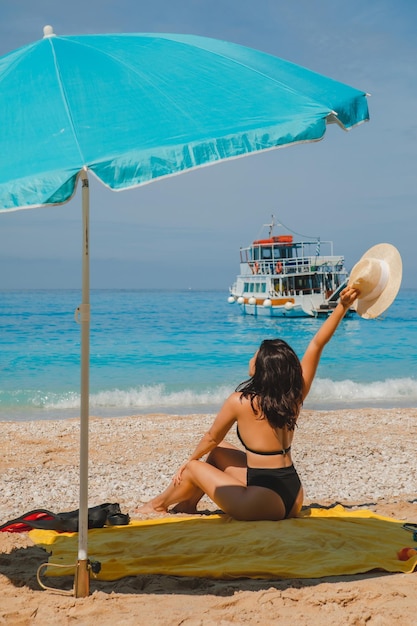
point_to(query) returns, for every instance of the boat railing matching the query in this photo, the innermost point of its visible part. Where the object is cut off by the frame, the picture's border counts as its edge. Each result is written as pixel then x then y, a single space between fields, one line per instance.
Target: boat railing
pixel 302 265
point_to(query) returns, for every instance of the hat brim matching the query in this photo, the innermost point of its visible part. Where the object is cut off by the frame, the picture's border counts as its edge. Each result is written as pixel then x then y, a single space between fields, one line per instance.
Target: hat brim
pixel 369 309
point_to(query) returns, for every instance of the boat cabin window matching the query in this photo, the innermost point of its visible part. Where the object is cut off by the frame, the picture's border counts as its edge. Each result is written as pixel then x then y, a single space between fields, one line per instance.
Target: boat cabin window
pixel 278 252
pixel 266 253
pixel 307 283
pixel 285 252
pixel 295 284
pixel 254 287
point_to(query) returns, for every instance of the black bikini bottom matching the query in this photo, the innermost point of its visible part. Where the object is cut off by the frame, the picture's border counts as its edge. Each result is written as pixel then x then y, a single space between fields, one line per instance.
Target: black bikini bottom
pixel 283 480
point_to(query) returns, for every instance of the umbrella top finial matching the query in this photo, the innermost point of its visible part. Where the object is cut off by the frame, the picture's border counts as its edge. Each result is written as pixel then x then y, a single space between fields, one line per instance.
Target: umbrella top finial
pixel 48 31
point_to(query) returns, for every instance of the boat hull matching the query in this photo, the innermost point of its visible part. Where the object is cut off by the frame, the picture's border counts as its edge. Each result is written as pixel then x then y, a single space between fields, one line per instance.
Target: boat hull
pixel 273 311
pixel 297 306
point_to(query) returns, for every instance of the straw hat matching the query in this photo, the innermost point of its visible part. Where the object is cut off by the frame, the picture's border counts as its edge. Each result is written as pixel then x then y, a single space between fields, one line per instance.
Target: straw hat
pixel 377 276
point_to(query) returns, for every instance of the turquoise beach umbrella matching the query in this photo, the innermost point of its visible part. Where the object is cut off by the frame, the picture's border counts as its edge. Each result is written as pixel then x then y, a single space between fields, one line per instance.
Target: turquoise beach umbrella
pixel 132 108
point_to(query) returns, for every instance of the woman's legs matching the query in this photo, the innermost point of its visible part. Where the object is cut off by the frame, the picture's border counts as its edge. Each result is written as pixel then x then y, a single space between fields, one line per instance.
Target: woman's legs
pixel 222 485
pixel 180 492
pixel 231 495
pixel 225 457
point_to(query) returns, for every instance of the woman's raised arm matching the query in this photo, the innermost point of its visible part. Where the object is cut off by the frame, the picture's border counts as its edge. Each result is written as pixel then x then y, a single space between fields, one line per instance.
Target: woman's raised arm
pixel 312 355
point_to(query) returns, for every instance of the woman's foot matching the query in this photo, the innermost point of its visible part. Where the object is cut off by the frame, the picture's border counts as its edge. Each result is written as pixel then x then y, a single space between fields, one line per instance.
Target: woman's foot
pixel 149 509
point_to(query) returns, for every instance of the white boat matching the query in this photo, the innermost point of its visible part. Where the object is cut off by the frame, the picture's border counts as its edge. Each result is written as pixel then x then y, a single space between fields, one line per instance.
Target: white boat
pixel 283 277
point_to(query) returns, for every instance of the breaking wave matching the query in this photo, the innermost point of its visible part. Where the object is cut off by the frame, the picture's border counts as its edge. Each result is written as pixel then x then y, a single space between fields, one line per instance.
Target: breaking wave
pixel 325 394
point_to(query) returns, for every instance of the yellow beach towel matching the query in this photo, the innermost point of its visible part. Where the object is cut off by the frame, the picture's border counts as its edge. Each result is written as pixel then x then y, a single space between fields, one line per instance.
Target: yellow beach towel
pixel 322 542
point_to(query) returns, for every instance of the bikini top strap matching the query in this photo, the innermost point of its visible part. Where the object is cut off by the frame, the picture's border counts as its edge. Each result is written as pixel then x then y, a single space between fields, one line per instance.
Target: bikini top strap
pixel 284 451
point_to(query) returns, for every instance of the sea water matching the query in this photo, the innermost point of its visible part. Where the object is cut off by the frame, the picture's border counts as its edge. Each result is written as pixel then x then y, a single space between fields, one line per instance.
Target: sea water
pixel 183 352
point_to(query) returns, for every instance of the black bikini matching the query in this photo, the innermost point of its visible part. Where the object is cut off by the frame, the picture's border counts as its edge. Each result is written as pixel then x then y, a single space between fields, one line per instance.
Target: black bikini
pixel 282 451
pixel 282 480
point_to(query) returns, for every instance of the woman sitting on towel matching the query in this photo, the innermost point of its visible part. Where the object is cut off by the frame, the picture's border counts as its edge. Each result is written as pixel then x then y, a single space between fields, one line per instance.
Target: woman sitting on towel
pixel 262 482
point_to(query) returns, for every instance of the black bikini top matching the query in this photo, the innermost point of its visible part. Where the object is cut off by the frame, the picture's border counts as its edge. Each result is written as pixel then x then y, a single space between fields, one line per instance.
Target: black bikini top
pixel 284 451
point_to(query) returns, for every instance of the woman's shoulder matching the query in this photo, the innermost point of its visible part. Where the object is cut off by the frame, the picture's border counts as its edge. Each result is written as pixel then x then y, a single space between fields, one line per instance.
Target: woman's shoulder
pixel 238 403
pixel 235 398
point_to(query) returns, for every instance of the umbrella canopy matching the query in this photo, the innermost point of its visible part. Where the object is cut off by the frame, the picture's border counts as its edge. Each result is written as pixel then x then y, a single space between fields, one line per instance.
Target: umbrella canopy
pixel 136 107
pixel 132 108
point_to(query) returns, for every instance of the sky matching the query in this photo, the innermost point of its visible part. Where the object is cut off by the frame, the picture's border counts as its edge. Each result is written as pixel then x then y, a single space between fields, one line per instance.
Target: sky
pixel 356 188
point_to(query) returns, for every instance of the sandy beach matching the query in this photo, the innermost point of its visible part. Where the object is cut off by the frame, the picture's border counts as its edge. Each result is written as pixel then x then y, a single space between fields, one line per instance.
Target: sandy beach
pixel 359 458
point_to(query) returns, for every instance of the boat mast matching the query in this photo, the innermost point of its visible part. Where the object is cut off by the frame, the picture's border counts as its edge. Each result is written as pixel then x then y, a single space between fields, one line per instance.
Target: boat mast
pixel 271 226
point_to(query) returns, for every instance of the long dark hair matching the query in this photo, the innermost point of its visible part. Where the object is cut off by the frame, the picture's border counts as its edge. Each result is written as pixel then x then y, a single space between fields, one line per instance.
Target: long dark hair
pixel 276 387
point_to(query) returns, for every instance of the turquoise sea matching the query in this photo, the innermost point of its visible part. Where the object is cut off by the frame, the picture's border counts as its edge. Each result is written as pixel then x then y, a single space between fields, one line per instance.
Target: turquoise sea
pixel 183 352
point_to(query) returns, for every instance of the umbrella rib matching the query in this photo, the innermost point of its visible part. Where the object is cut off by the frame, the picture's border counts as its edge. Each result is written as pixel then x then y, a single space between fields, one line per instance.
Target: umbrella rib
pixel 65 102
pixel 18 60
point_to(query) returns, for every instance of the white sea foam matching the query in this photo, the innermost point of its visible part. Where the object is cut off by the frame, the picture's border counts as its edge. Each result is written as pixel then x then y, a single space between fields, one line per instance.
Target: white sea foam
pixel 325 393
pixel 147 399
pixel 399 391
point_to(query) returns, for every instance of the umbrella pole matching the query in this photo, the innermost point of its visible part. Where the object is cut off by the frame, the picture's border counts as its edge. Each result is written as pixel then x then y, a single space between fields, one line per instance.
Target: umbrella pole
pixel 82 574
